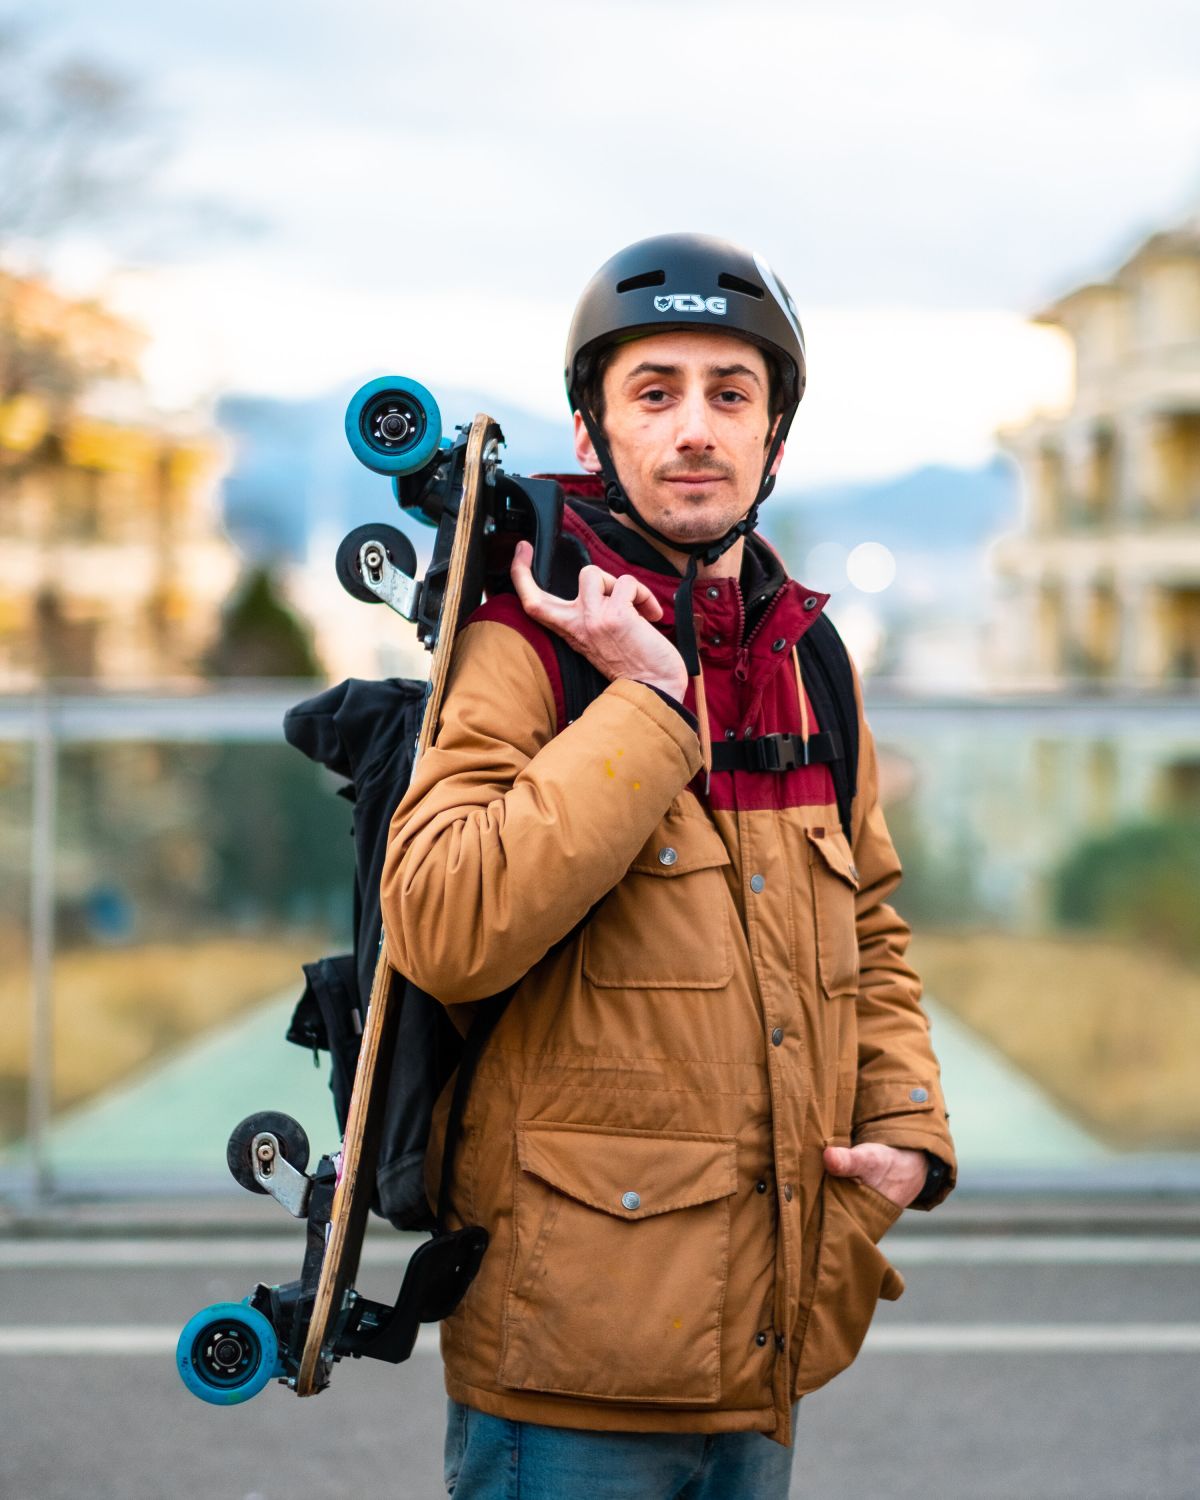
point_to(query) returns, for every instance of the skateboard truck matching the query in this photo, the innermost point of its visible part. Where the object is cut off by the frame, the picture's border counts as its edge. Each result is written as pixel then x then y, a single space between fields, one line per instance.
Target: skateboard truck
pixel 276 1175
pixel 394 428
pixel 398 590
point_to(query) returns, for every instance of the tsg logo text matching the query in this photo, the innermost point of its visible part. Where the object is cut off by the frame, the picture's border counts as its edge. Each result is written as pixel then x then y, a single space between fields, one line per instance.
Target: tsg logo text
pixel 686 302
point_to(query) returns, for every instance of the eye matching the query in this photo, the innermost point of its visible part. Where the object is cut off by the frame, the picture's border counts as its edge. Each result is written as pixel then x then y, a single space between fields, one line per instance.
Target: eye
pixel 730 398
pixel 655 395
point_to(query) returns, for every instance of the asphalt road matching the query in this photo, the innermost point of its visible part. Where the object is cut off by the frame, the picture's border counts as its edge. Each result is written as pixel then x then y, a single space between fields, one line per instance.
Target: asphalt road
pixel 1028 1365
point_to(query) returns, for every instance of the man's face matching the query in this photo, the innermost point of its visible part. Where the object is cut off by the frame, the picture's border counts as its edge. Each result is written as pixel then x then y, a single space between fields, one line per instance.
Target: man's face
pixel 687 418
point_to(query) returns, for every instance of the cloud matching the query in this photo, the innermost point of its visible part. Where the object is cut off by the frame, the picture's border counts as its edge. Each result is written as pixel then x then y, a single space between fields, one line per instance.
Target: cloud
pixel 442 181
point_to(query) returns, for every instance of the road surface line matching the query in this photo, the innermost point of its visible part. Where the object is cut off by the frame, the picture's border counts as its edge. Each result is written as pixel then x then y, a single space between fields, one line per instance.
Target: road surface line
pixel 1049 1249
pixel 940 1338
pixel 79 1339
pixel 1036 1338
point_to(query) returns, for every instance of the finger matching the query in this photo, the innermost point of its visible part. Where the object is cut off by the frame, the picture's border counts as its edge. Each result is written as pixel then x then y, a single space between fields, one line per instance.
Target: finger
pixel 592 588
pixel 625 590
pixel 647 605
pixel 534 601
pixel 841 1161
pixel 521 559
pixel 633 591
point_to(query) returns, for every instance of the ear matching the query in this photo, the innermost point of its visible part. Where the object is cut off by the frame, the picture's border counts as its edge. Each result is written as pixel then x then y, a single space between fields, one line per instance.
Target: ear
pixel 778 458
pixel 584 451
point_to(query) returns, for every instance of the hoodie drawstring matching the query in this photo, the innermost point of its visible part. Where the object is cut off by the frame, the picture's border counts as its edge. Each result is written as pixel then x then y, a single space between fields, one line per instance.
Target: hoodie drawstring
pixel 803 700
pixel 705 728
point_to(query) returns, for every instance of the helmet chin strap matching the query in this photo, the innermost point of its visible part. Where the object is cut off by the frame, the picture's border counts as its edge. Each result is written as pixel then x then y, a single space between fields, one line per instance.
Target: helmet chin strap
pixel 697 552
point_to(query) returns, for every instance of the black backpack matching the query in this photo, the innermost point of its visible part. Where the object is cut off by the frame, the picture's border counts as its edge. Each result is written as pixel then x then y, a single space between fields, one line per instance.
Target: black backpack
pixel 366 732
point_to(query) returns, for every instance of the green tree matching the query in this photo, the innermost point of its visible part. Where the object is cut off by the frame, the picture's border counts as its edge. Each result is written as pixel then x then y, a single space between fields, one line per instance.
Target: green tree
pixel 1140 881
pixel 261 636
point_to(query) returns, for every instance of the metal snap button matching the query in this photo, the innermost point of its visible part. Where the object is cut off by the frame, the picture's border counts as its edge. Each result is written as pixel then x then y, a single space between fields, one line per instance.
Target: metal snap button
pixel 713 593
pixel 778 645
pixel 716 640
pixel 787 1192
pixel 777 1036
pixel 756 883
pixel 781 1342
pixel 667 856
pixel 630 1201
pixel 811 602
pixel 761 1339
pixel 919 1096
pixel 731 734
pixel 760 1186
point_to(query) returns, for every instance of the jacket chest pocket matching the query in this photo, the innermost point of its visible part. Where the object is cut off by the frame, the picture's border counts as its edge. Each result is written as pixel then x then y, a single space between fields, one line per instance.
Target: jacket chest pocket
pixel 834 887
pixel 666 924
pixel 619 1265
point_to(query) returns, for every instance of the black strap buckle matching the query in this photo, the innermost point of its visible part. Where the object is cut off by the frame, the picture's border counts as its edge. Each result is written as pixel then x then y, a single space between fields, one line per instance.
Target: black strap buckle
pixel 777 752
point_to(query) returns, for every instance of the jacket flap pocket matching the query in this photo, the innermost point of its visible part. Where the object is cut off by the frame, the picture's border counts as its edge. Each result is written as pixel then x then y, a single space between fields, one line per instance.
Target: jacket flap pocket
pixel 831 845
pixel 629 1174
pixel 891 1096
pixel 679 845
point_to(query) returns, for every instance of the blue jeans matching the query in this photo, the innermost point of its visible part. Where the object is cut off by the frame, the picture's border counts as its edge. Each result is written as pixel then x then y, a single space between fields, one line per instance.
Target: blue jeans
pixel 490 1458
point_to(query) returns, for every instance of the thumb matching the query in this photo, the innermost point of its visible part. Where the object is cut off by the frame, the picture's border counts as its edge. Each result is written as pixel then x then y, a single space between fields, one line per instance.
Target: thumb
pixel 842 1161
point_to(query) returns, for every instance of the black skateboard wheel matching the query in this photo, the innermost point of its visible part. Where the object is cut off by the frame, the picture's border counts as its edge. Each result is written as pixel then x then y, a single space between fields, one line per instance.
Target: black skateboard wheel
pixel 400 553
pixel 293 1145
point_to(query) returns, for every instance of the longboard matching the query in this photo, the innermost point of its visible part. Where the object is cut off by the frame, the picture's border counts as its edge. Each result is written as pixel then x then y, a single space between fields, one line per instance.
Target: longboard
pixel 352 1197
pixel 295 1333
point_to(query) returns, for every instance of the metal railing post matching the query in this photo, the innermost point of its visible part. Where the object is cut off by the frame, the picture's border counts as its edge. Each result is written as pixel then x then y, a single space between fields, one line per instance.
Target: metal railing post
pixel 41 935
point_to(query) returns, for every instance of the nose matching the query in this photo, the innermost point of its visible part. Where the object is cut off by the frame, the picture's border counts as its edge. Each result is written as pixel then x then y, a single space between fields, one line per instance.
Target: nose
pixel 693 429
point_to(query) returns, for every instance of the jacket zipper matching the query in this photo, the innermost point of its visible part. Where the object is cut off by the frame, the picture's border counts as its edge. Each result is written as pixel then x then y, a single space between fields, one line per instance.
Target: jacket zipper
pixel 741 668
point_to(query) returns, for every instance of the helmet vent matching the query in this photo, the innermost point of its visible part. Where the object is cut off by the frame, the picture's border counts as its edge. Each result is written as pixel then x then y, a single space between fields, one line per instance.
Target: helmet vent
pixel 736 284
pixel 647 278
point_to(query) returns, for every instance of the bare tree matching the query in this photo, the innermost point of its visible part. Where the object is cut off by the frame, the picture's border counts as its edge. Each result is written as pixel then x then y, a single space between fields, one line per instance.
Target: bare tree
pixel 81 148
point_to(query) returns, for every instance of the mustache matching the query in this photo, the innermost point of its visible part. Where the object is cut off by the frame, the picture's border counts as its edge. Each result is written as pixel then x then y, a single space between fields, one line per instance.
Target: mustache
pixel 694 468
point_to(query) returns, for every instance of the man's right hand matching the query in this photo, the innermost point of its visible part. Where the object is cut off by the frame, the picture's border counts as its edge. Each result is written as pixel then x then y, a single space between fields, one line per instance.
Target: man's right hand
pixel 610 622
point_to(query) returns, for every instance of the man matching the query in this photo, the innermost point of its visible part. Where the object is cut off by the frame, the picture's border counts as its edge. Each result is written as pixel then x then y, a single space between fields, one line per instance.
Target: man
pixel 703 1109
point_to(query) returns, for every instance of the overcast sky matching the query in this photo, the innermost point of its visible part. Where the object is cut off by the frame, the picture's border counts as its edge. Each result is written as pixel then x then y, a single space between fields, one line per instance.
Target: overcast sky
pixel 439 181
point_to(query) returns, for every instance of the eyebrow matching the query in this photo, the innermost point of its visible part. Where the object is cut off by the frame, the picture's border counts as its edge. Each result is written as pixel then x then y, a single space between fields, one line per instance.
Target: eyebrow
pixel 722 372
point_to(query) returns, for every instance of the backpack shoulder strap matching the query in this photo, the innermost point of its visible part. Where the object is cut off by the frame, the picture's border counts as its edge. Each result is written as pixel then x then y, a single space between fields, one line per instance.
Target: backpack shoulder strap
pixel 830 681
pixel 581 682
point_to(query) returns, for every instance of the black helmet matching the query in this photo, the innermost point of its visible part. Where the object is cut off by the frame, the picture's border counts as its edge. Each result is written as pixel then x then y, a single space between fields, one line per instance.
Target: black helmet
pixel 688 281
pixel 685 281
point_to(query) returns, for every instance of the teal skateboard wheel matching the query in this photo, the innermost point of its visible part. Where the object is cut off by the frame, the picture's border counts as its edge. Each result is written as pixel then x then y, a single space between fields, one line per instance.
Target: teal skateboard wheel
pixel 393 425
pixel 227 1353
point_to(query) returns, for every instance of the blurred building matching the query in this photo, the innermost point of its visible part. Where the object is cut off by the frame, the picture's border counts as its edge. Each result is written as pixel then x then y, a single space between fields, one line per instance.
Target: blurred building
pixel 113 565
pixel 1101 587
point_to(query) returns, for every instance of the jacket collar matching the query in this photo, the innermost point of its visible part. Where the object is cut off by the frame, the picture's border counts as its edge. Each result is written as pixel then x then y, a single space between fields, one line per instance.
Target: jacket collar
pixel 728 610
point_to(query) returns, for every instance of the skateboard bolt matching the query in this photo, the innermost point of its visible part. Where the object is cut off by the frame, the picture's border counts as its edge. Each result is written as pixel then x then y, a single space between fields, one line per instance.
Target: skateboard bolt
pixel 265 1152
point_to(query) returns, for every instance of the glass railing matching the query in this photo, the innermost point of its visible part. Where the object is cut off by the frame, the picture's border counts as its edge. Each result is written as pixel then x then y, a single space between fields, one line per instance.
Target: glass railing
pixel 1052 880
pixel 169 863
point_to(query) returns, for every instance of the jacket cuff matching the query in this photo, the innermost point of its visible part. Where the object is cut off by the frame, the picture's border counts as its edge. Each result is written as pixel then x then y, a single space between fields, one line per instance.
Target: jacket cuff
pixel 906 1113
pixel 666 712
pixel 686 714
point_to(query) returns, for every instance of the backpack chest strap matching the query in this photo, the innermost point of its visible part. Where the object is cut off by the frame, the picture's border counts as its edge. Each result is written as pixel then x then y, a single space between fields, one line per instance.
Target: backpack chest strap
pixel 776 752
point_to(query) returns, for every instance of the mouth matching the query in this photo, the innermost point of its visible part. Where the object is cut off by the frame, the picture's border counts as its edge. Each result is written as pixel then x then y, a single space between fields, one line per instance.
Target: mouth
pixel 695 481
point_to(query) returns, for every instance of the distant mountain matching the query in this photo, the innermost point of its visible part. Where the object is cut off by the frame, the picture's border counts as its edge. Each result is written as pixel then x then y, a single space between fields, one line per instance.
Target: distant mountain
pixel 932 508
pixel 294 476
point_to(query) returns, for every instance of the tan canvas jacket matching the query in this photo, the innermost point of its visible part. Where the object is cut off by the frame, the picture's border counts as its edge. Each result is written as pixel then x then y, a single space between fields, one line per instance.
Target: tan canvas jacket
pixel 643 1139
